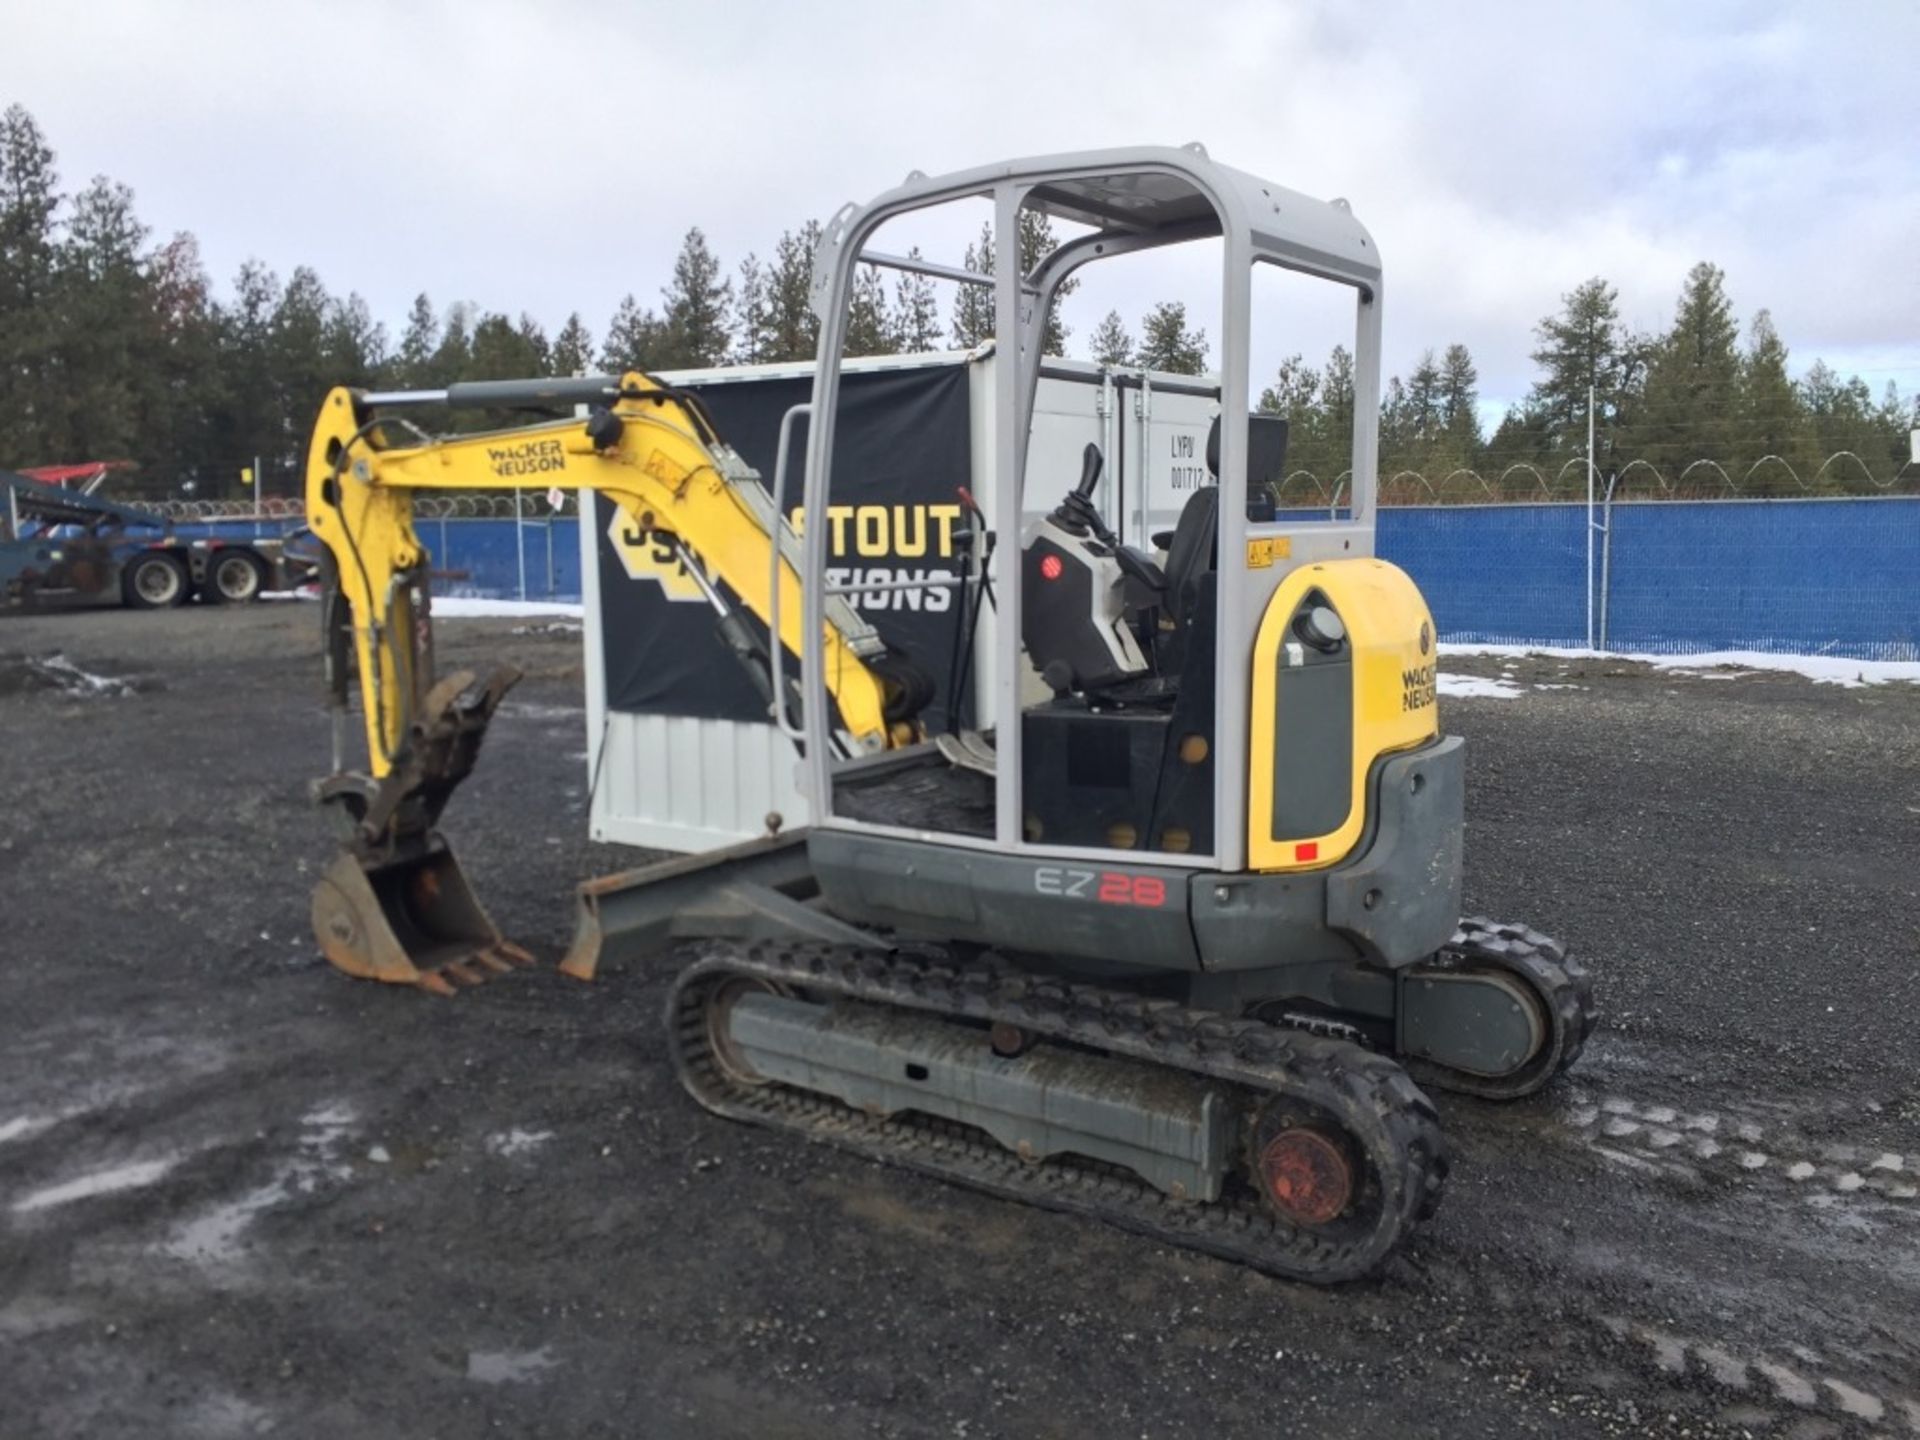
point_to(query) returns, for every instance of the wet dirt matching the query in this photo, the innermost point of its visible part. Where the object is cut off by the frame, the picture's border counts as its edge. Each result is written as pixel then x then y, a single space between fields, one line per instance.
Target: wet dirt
pixel 242 1195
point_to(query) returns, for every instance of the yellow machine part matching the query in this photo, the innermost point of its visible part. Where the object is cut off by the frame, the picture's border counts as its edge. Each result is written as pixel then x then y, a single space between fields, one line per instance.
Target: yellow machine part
pixel 1394 672
pixel 659 472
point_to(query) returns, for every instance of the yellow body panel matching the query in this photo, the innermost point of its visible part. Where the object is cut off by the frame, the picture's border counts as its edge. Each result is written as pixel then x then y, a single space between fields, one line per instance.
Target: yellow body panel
pixel 659 472
pixel 1391 634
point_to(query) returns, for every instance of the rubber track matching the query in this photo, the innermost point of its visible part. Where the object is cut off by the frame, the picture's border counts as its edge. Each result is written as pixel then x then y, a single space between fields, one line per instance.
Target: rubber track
pixel 1387 1115
pixel 1541 963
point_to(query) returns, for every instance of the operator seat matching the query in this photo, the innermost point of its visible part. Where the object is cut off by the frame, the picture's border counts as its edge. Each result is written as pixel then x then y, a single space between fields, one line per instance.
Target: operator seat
pixel 1193 551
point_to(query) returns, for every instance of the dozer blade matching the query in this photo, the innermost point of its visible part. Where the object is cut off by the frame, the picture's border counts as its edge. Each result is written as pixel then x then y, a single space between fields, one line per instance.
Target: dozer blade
pixel 410 921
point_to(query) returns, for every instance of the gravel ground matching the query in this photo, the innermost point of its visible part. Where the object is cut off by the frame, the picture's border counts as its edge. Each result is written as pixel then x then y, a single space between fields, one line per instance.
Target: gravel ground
pixel 241 1195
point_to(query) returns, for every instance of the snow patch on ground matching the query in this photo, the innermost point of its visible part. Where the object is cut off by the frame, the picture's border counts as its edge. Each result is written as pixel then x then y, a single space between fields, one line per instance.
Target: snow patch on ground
pixel 1821 669
pixel 1479 687
pixel 517 1141
pixel 102 1182
pixel 57 672
pixel 21 1126
pixel 464 607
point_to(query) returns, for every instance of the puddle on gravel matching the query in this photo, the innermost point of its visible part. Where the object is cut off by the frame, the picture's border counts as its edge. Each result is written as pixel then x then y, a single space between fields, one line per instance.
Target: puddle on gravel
pixel 216 1234
pixel 507 1367
pixel 213 1236
pixel 101 1182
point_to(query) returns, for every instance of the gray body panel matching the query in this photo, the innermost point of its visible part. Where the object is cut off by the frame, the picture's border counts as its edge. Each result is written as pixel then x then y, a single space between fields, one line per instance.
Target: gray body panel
pixel 949 892
pixel 1396 902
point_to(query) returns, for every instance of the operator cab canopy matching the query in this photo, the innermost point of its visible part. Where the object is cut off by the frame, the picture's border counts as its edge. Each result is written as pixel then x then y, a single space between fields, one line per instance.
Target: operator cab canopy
pixel 1144 196
pixel 1131 200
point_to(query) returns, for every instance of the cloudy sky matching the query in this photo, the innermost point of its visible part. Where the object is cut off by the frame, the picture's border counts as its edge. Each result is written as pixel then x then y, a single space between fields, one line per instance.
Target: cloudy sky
pixel 549 156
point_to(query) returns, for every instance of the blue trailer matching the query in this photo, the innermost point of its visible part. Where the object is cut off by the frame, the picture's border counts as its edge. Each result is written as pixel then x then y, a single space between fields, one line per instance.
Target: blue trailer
pixel 61 547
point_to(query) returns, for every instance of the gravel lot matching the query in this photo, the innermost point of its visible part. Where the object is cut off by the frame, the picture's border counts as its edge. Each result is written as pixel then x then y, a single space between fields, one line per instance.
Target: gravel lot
pixel 242 1195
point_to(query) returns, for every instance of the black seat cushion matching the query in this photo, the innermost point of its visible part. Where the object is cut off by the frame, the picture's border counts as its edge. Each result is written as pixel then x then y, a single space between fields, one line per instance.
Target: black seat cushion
pixel 1193 551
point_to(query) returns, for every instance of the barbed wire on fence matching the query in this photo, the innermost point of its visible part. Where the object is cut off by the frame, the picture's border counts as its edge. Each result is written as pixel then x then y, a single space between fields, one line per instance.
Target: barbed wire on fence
pixel 1843 473
pixel 425 507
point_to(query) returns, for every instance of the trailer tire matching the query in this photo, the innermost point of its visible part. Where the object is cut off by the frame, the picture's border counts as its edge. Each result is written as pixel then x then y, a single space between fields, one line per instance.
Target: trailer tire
pixel 234 577
pixel 154 581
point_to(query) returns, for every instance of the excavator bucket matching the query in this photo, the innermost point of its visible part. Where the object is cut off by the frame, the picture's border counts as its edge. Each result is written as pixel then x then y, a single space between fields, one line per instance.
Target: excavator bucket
pixel 395 905
pixel 412 921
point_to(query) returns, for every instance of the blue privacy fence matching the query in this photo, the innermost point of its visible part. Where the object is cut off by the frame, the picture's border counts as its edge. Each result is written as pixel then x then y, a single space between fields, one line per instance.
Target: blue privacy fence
pixel 1830 577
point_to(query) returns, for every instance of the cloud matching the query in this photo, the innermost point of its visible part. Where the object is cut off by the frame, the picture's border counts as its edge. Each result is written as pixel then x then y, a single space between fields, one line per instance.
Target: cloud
pixel 550 157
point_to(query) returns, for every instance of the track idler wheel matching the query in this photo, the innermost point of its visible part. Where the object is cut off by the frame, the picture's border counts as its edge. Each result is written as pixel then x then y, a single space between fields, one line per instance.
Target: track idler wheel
pixel 412 921
pixel 1517 972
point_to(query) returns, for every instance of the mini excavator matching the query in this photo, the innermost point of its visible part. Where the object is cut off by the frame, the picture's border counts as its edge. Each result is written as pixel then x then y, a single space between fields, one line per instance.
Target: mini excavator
pixel 1167 936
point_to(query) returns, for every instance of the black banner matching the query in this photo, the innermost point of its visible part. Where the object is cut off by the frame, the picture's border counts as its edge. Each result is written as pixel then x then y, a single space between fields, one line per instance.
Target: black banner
pixel 901 452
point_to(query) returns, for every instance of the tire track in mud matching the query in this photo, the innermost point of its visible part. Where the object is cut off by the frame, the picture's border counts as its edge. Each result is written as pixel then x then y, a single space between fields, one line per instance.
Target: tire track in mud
pixel 1750 1257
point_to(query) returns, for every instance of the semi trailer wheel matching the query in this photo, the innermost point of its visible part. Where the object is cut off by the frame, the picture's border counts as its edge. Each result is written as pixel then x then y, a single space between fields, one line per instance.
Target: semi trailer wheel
pixel 154 581
pixel 235 577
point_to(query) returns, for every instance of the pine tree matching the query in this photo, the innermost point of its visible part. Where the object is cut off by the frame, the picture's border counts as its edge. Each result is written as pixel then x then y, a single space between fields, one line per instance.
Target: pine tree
pixel 417 343
pixel 1326 447
pixel 1037 241
pixel 869 327
pixel 301 372
pixel 1111 344
pixel 1771 418
pixel 573 347
pixel 180 438
pixel 30 406
pixel 503 350
pixel 1688 400
pixel 793 330
pixel 1582 347
pixel 1294 395
pixel 1167 344
pixel 1460 398
pixel 973 304
pixel 636 339
pixel 1522 438
pixel 454 354
pixel 697 306
pixel 102 356
pixel 251 420
pixel 916 312
pixel 1424 402
pixel 753 341
pixel 353 344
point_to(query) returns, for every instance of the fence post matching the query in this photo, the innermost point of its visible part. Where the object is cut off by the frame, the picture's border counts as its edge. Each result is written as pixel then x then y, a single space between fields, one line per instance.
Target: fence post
pixel 1589 517
pixel 520 541
pixel 1606 558
pixel 550 515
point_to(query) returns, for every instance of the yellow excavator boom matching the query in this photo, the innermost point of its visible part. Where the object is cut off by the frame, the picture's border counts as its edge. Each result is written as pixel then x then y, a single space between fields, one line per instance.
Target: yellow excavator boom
pixel 396 906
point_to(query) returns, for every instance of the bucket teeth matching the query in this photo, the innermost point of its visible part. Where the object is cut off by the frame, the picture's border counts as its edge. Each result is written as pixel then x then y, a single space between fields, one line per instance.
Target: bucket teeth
pixel 412 920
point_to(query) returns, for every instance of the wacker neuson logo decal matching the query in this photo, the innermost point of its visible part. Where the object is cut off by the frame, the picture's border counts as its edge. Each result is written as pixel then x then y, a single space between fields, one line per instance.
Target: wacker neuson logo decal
pixel 1417 687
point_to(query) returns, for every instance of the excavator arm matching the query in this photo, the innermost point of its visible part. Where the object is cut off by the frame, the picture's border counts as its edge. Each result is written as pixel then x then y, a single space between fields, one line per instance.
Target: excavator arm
pixel 395 905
